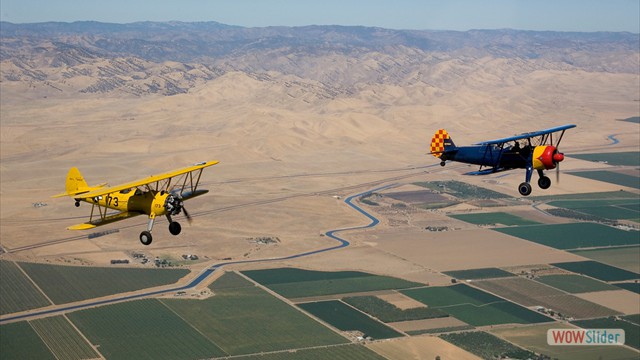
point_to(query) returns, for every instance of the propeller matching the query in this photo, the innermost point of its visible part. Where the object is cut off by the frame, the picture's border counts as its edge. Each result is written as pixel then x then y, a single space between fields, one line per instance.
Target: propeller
pixel 557 158
pixel 186 214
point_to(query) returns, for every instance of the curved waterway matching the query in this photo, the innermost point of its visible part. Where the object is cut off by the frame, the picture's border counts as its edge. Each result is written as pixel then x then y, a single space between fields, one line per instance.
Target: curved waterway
pixel 209 271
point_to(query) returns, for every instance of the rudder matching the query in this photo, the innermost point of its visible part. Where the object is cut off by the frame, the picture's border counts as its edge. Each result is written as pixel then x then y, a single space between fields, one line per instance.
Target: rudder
pixel 75 182
pixel 441 143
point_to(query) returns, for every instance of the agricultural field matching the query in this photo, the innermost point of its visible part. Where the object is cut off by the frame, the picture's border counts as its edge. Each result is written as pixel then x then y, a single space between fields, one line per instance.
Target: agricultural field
pixel 605 195
pixel 532 293
pixel 622 257
pixel 575 284
pixel 64 284
pixel 298 283
pixel 634 286
pixel 63 339
pixel 17 292
pixel 598 270
pixel 346 318
pixel 610 177
pixel 494 219
pixel 630 158
pixel 477 274
pixel 612 209
pixel 574 235
pixel 631 329
pixel 20 341
pixel 387 312
pixel 142 329
pixel 236 319
pixel 534 338
pixel 462 190
pixel 474 306
pixel 340 352
pixel 418 197
pixel 487 346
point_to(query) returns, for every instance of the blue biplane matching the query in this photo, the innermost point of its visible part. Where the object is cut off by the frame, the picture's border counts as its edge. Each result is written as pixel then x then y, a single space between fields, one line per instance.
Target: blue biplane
pixel 530 151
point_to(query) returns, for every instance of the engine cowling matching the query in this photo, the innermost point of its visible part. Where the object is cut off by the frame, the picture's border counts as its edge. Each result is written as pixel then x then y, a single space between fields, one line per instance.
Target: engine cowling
pixel 546 157
pixel 173 205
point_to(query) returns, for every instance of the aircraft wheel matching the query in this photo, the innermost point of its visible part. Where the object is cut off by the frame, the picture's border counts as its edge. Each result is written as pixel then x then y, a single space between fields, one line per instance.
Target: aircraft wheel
pixel 77 203
pixel 145 238
pixel 524 189
pixel 175 228
pixel 442 163
pixel 544 182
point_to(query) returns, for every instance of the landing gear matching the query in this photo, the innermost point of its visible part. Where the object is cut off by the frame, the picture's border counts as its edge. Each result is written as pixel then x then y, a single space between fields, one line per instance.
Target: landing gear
pixel 146 238
pixel 175 228
pixel 442 163
pixel 77 203
pixel 544 182
pixel 524 189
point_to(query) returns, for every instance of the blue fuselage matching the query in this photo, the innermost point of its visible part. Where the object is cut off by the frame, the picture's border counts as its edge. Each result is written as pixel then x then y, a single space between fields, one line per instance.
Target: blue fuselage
pixel 490 156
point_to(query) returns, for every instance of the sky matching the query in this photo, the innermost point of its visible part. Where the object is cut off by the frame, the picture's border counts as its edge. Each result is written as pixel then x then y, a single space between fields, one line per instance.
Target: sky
pixel 555 15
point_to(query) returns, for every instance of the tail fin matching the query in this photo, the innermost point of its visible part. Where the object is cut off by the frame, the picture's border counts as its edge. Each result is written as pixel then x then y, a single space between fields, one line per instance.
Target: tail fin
pixel 441 143
pixel 76 184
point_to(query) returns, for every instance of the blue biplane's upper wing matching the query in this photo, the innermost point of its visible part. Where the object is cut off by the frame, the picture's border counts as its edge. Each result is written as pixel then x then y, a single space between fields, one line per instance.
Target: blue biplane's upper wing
pixel 526 135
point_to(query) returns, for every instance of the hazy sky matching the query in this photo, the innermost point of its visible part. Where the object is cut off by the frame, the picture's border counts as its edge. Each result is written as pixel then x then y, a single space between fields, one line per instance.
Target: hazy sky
pixel 560 15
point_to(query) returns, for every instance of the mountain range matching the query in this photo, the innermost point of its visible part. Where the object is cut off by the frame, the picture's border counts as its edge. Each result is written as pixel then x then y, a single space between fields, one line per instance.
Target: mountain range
pixel 170 58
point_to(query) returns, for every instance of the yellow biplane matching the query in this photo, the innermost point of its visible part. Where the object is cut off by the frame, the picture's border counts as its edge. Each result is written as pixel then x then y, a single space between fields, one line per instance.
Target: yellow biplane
pixel 152 196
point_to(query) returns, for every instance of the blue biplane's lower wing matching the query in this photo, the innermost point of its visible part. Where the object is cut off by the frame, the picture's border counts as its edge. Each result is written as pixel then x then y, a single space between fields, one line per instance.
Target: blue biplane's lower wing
pixel 486 171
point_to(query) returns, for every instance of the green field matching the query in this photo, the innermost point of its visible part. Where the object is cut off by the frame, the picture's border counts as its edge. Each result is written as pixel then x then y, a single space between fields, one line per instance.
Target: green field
pixel 534 338
pixel 623 257
pixel 340 352
pixel 298 283
pixel 64 284
pixel 634 286
pixel 346 318
pixel 387 312
pixel 575 284
pixel 630 158
pixel 17 292
pixel 243 319
pixel 474 306
pixel 605 195
pixel 476 274
pixel 598 270
pixel 487 346
pixel 493 218
pixel 612 209
pixel 143 329
pixel 532 293
pixel 462 190
pixel 611 177
pixel 20 341
pixel 574 235
pixel 631 329
pixel 63 339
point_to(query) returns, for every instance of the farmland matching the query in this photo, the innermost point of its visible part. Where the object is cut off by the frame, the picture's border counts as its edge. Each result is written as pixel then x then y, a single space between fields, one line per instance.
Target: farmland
pixel 575 283
pixel 462 190
pixel 62 339
pixel 534 338
pixel 630 158
pixel 476 274
pixel 532 293
pixel 386 312
pixel 598 270
pixel 631 329
pixel 20 341
pixel 612 209
pixel 486 346
pixel 573 236
pixel 610 177
pixel 139 329
pixel 340 352
pixel 473 306
pixel 17 292
pixel 345 318
pixel 493 218
pixel 64 284
pixel 621 257
pixel 297 283
pixel 235 319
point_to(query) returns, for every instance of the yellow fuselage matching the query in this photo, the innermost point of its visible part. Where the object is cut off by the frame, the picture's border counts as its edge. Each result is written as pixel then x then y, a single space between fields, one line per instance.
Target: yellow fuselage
pixel 133 200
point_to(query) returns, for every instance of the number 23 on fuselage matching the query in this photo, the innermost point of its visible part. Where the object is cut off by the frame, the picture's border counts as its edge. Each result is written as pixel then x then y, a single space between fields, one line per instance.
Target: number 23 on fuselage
pixel 155 195
pixel 538 151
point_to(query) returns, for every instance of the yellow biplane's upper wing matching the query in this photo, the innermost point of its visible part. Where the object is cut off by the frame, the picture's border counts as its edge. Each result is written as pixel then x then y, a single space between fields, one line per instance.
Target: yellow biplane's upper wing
pixel 145 181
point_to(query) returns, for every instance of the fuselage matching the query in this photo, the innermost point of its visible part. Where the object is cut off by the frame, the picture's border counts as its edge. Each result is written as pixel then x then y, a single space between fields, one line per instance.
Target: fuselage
pixel 133 200
pixel 490 156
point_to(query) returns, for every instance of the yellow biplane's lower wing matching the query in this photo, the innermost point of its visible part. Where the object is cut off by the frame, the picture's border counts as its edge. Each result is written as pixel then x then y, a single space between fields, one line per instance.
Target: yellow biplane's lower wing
pixel 104 221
